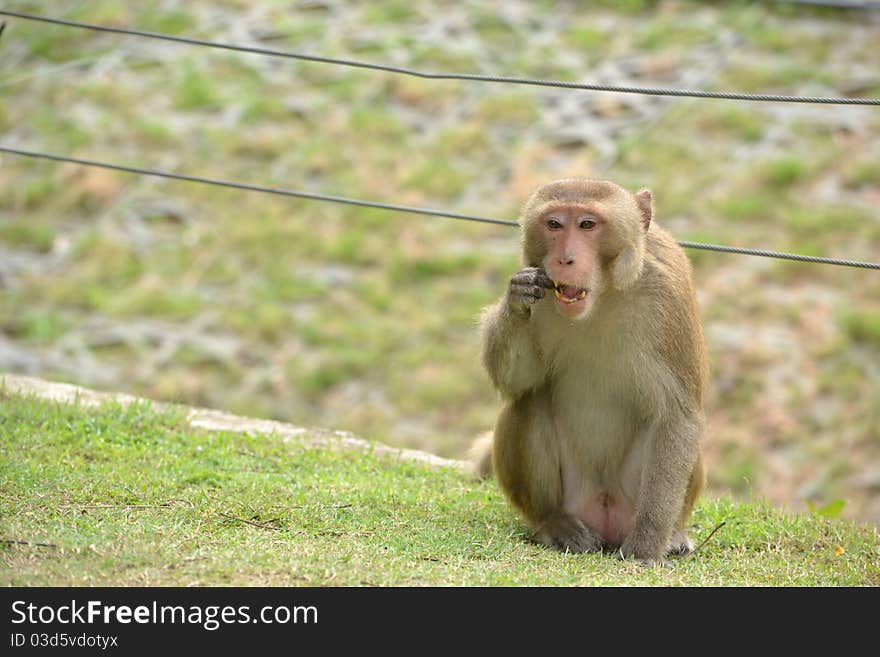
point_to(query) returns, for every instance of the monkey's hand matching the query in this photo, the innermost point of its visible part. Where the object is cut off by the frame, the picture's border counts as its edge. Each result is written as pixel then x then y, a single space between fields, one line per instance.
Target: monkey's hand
pixel 525 288
pixel 564 532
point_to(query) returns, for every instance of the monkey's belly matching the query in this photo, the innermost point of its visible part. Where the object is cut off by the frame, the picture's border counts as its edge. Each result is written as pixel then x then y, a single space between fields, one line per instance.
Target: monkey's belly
pixel 604 500
pixel 608 515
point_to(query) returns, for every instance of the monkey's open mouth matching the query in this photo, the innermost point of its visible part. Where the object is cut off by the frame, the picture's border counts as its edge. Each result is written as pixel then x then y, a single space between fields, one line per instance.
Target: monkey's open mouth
pixel 569 293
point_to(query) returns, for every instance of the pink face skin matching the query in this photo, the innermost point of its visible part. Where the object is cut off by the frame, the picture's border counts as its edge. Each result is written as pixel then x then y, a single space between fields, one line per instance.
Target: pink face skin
pixel 572 234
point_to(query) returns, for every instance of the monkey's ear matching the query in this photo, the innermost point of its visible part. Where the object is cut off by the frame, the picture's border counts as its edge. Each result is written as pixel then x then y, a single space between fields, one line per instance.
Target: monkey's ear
pixel 645 202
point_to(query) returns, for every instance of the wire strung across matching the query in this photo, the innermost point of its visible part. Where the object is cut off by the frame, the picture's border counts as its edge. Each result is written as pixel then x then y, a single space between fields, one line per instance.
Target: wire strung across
pixel 443 76
pixel 403 208
pixel 648 91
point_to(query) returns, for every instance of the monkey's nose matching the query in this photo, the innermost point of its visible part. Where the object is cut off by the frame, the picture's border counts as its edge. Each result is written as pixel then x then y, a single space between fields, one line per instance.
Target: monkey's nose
pixel 565 261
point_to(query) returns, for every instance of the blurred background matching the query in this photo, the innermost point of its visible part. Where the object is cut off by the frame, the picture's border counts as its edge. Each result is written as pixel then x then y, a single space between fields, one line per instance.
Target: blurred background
pixel 365 320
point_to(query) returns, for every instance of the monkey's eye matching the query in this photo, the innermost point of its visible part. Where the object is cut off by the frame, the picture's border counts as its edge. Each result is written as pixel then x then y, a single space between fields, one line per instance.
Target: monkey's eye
pixel 553 224
pixel 587 224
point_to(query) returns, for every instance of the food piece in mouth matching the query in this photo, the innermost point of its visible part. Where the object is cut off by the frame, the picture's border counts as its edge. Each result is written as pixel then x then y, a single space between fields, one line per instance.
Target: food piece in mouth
pixel 569 293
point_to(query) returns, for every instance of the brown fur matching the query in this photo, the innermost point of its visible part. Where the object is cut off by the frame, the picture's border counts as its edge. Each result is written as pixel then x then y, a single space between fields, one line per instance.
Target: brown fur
pixel 600 432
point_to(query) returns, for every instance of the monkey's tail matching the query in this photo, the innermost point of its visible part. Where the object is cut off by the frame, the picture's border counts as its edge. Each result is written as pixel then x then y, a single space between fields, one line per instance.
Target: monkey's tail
pixel 479 457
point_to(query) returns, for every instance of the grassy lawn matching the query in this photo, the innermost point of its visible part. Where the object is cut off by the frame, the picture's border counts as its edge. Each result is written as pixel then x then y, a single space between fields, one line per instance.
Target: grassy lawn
pixel 131 495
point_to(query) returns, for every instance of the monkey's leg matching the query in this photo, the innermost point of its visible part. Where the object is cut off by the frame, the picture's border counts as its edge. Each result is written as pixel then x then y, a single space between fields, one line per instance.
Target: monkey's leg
pixel 526 460
pixel 666 478
pixel 680 543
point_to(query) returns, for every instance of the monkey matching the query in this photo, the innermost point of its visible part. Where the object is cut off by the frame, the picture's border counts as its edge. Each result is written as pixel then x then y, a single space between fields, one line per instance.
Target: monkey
pixel 598 353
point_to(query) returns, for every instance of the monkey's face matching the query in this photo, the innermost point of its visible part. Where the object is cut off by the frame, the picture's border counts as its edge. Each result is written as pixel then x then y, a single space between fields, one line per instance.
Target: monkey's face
pixel 571 235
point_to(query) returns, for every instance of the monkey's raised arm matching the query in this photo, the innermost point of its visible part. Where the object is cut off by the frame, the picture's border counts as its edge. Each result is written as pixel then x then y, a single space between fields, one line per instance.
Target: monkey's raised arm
pixel 509 352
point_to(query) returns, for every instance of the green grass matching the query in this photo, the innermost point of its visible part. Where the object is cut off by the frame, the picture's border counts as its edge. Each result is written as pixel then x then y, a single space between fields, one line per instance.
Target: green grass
pixel 195 89
pixel 863 173
pixel 130 495
pixel 784 172
pixel 27 234
pixel 862 326
pixel 584 37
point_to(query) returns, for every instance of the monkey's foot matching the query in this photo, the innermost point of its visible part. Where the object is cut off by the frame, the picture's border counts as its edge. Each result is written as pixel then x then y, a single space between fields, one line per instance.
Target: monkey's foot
pixel 568 534
pixel 680 544
pixel 642 546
